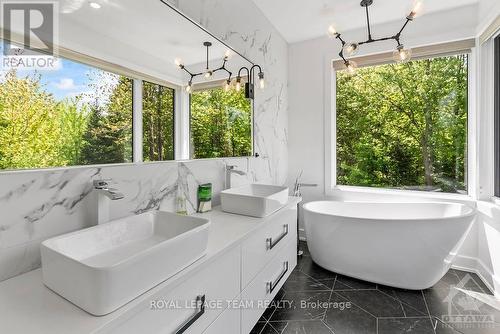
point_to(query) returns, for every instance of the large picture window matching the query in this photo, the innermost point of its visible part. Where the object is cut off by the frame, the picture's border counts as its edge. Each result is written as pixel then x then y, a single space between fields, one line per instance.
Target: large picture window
pixel 221 124
pixel 74 115
pixel 404 126
pixel 81 113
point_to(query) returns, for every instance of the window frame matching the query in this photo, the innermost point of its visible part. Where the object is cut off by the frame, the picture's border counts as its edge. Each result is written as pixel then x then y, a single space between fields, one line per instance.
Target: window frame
pixel 331 188
pixel 496 96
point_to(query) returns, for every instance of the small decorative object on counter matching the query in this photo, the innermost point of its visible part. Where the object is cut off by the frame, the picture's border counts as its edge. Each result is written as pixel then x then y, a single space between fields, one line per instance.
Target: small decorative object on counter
pixel 205 197
pixel 181 205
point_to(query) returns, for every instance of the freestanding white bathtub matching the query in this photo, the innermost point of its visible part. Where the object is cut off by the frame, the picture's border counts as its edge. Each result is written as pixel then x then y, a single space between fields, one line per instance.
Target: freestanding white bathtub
pixel 404 245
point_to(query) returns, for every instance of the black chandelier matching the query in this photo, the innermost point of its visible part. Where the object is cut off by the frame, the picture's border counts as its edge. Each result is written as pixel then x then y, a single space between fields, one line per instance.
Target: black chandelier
pixel 350 49
pixel 208 73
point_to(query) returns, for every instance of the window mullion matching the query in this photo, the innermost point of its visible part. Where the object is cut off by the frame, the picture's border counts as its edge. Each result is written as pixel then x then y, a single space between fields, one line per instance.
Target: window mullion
pixel 181 125
pixel 137 131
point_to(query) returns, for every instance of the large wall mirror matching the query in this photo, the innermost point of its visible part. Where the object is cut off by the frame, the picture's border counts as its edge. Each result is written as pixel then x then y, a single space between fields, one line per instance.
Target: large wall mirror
pixel 132 81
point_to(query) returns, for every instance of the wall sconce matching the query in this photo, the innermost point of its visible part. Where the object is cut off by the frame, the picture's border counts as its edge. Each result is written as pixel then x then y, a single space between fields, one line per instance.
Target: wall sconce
pixel 249 85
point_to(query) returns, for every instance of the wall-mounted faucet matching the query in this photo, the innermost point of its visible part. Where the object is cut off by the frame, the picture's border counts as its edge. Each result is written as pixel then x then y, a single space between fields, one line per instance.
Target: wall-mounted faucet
pixel 105 194
pixel 230 170
pixel 102 187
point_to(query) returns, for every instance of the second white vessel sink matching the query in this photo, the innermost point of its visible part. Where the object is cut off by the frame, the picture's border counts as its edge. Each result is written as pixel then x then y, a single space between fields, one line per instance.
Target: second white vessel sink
pixel 104 267
pixel 256 200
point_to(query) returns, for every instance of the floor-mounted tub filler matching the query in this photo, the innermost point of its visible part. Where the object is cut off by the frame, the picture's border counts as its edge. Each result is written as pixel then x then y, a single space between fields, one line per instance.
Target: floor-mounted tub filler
pixel 404 245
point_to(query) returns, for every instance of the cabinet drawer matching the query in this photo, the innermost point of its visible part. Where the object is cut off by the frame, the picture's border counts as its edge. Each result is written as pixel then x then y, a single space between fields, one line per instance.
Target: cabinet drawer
pixel 172 307
pixel 266 285
pixel 257 250
pixel 227 323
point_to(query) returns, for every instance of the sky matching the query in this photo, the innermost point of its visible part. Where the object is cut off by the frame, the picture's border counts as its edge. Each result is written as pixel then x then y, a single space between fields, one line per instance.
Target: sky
pixel 67 79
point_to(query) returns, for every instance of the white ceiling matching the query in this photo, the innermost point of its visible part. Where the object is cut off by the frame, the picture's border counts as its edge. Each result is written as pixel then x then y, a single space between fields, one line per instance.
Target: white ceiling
pixel 299 20
pixel 145 35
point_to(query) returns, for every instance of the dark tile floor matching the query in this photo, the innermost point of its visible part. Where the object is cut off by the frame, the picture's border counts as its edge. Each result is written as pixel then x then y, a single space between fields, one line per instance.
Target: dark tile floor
pixel 316 301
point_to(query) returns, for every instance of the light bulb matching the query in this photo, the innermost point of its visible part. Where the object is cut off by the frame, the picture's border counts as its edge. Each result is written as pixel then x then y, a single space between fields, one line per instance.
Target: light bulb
pixel 332 32
pixel 417 8
pixel 238 84
pixel 227 85
pixel 262 82
pixel 351 49
pixel 401 55
pixel 95 5
pixel 228 54
pixel 351 67
pixel 188 87
pixel 208 74
pixel 178 62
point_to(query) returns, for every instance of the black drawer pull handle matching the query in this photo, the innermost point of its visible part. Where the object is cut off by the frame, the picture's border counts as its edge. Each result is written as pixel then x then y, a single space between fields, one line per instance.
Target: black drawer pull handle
pixel 271 243
pixel 272 285
pixel 200 304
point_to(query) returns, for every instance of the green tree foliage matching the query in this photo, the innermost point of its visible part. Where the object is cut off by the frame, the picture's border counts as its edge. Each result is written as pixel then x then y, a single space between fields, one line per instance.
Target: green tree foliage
pixel 158 122
pixel 35 130
pixel 404 125
pixel 108 138
pixel 221 124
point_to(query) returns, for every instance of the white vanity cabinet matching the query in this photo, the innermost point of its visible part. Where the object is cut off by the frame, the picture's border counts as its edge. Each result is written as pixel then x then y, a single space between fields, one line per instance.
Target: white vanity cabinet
pixel 169 309
pixel 252 272
pixel 264 287
pixel 268 256
pixel 264 244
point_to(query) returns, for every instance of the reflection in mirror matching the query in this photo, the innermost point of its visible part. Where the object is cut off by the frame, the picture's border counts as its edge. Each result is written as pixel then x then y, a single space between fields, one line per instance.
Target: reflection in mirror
pixel 116 92
pixel 221 123
pixel 158 103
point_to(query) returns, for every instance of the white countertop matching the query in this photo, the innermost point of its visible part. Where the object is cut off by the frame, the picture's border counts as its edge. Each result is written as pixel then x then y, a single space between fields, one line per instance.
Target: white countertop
pixel 27 306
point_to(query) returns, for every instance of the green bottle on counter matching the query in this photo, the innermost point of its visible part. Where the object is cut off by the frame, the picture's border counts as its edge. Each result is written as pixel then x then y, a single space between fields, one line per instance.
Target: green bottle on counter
pixel 204 197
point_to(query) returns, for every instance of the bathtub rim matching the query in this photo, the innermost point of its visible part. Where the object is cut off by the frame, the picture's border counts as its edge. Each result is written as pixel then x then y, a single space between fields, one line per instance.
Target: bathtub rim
pixel 472 212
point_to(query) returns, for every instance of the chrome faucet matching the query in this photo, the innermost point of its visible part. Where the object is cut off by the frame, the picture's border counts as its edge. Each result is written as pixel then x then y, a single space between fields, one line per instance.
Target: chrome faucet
pixel 298 185
pixel 230 170
pixel 105 194
pixel 102 187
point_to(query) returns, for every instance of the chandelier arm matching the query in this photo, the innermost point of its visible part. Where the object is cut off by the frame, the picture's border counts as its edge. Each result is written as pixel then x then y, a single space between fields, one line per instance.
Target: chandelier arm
pixel 207 56
pixel 223 68
pixel 368 24
pixel 378 40
pixel 341 55
pixel 339 37
pixel 402 28
pixel 190 73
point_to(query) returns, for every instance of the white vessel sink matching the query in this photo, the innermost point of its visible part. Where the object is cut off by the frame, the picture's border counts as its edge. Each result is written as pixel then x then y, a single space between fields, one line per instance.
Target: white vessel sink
pixel 256 200
pixel 103 267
